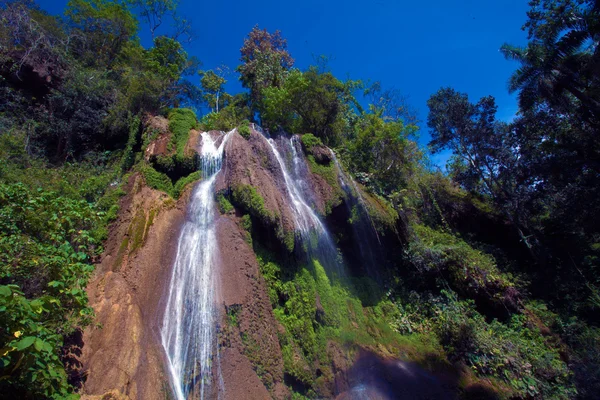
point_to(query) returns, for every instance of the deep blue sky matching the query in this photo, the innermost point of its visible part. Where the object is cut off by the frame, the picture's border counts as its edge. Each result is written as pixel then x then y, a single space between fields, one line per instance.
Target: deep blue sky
pixel 414 46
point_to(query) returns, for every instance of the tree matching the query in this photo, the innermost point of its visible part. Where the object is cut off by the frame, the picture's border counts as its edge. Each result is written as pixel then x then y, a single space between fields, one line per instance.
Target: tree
pixel 212 83
pixel 155 11
pixel 169 61
pixel 560 63
pixel 265 62
pixel 311 102
pixel 100 29
pixel 381 149
pixel 392 102
pixel 488 151
pixel 33 39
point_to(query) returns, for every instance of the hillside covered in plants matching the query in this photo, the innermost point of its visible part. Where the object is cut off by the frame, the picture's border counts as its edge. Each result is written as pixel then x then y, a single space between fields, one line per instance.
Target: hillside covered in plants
pixel 344 259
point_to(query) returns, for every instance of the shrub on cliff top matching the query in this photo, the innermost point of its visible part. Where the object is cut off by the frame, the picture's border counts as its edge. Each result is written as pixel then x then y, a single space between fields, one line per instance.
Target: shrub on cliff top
pixel 309 141
pixel 244 129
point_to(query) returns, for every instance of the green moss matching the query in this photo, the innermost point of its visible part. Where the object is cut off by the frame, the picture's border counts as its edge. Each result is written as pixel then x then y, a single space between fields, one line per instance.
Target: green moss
pixel 289 240
pixel 162 182
pixel 182 183
pixel 381 213
pixel 244 129
pixel 137 230
pixel 329 174
pixel 247 225
pixel 309 141
pixel 181 121
pixel 150 221
pixel 225 206
pixel 258 359
pixel 233 313
pixel 136 234
pixel 294 364
pixel 315 309
pixel 121 254
pixel 248 199
pixel 163 163
pixel 156 180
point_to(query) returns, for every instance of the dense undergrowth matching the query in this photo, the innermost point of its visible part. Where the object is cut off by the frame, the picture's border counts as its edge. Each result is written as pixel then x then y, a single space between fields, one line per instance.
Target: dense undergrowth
pixel 53 222
pixel 464 312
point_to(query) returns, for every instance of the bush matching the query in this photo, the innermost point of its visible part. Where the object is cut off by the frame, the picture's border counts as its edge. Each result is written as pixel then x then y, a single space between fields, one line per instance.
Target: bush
pixel 244 129
pixel 309 141
pixel 470 271
pixel 248 199
pixel 157 180
pixel 181 121
pixel 515 352
pixel 225 206
pixel 182 183
pixel 46 244
pixel 229 117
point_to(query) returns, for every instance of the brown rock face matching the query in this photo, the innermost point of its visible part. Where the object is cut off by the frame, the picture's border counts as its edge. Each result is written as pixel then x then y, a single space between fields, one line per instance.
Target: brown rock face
pixel 249 338
pixel 322 154
pixel 122 353
pixel 251 162
pixel 193 143
pixel 160 145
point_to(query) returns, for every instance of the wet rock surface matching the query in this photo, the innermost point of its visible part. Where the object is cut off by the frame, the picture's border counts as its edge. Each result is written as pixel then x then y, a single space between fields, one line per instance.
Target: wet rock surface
pixel 249 330
pixel 251 162
pixel 122 355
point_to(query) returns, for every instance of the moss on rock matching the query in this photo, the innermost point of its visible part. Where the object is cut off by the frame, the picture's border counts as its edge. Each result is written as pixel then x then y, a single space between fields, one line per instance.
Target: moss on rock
pixel 248 198
pixel 181 121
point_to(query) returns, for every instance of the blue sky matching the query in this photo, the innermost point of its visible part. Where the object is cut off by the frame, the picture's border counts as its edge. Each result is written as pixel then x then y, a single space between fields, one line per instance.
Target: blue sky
pixel 414 46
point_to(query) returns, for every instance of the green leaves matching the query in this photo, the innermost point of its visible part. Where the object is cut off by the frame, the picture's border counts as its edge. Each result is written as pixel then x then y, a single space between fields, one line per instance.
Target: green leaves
pixel 167 58
pixel 25 343
pixel 44 249
pixel 266 62
pixel 5 291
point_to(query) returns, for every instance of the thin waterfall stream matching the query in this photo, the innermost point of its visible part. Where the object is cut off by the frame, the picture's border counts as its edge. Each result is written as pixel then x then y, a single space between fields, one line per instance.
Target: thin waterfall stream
pixel 313 233
pixel 188 329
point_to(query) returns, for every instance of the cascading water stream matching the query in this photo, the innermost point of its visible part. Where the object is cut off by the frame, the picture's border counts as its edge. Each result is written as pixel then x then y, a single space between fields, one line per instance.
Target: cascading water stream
pixel 363 226
pixel 353 194
pixel 313 233
pixel 188 330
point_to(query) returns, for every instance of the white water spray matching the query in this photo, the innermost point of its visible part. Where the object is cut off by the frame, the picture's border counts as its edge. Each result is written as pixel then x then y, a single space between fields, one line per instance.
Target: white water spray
pixel 312 231
pixel 188 330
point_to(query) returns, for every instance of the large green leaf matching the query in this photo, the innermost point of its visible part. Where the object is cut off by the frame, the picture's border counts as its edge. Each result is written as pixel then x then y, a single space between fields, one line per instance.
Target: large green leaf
pixel 5 291
pixel 25 342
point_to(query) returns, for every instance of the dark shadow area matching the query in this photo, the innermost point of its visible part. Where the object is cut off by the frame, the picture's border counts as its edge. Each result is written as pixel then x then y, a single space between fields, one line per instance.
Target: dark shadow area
pixel 70 355
pixel 375 378
pixel 480 392
pixel 295 384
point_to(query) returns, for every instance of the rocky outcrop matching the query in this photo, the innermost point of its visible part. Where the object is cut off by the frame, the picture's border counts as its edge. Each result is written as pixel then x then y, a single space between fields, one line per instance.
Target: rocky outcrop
pixel 250 162
pixel 251 360
pixel 122 354
pixel 158 127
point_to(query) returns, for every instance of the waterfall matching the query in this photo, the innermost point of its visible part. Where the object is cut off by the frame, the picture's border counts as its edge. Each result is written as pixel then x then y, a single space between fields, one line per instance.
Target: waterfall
pixel 362 225
pixel 188 330
pixel 313 234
